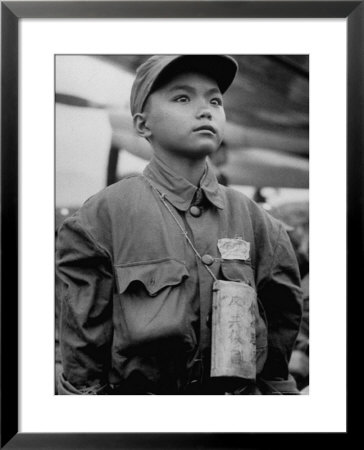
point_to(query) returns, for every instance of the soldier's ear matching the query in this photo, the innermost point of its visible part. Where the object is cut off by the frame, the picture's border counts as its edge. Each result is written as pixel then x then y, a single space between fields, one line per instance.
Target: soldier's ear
pixel 141 126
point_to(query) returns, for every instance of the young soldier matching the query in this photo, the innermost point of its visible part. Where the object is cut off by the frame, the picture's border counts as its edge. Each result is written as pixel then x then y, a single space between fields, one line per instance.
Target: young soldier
pixel 139 260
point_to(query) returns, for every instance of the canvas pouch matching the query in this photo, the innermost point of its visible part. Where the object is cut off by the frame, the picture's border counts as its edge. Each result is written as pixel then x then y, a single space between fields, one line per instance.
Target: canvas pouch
pixel 233 350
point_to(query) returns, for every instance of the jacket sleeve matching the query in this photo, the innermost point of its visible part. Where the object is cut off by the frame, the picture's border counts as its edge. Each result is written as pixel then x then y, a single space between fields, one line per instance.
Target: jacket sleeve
pixel 85 271
pixel 281 297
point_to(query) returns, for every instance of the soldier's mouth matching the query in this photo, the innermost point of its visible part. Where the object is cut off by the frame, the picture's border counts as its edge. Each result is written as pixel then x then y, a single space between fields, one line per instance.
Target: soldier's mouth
pixel 206 129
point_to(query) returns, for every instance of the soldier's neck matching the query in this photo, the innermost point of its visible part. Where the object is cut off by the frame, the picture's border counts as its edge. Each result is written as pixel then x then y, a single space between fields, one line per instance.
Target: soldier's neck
pixel 190 169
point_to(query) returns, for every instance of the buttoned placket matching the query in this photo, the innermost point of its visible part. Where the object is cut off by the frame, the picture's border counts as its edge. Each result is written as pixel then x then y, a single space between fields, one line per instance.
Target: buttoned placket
pixel 199 226
pixel 202 221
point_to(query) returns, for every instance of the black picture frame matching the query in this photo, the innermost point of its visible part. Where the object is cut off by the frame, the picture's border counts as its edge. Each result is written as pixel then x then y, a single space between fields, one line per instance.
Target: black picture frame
pixel 11 13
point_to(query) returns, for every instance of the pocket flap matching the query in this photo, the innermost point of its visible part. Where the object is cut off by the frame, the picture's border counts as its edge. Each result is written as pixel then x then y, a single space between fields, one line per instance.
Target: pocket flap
pixel 154 275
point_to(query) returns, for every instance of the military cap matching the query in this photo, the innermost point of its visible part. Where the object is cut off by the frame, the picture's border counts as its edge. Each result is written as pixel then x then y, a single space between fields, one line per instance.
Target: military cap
pixel 159 69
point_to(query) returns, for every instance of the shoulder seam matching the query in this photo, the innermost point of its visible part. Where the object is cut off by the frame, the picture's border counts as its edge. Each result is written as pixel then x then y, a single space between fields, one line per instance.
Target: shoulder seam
pixel 94 241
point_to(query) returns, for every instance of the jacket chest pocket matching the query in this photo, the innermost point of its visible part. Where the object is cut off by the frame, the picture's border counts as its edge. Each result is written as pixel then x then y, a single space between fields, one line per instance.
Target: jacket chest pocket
pixel 238 270
pixel 151 306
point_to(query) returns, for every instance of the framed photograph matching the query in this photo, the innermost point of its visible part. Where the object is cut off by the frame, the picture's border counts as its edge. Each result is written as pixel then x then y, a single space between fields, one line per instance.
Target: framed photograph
pixel 47 44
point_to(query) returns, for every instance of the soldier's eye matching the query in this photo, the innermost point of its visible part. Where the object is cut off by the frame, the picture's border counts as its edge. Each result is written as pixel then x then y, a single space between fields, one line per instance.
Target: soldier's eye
pixel 182 99
pixel 216 101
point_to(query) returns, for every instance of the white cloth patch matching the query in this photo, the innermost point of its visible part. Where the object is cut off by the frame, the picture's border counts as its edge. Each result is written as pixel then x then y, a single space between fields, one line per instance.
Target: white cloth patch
pixel 234 248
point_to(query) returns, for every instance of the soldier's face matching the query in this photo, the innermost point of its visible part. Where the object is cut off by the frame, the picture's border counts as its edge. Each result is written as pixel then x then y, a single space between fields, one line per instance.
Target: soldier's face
pixel 186 116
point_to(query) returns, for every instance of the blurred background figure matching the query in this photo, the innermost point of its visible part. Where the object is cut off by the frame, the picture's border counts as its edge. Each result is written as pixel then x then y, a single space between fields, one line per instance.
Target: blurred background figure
pixel 265 152
pixel 295 216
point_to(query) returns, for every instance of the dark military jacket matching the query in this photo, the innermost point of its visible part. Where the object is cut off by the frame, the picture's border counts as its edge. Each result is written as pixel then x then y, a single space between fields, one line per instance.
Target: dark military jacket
pixel 136 300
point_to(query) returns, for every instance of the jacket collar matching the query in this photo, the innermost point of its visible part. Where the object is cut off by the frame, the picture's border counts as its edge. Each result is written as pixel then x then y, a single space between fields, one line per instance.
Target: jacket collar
pixel 180 191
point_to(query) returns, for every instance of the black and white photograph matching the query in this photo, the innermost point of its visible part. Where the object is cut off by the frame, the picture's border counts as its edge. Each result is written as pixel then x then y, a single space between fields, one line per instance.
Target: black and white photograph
pixel 181 224
pixel 181 220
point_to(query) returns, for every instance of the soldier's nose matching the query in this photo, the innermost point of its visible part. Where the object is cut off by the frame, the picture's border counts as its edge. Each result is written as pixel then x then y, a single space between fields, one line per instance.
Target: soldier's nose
pixel 205 113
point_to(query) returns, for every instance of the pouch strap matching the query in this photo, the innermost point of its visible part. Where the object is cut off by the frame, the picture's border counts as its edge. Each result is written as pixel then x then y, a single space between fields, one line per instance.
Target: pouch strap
pixel 162 197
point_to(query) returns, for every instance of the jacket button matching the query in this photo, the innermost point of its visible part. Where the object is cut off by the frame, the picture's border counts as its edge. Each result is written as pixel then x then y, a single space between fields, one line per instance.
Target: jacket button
pixel 207 260
pixel 195 211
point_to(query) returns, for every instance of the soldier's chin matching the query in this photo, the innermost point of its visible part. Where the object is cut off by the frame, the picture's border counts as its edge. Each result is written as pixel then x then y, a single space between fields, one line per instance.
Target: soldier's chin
pixel 202 152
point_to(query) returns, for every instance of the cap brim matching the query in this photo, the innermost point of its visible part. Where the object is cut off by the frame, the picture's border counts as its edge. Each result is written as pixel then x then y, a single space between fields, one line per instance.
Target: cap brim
pixel 221 68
